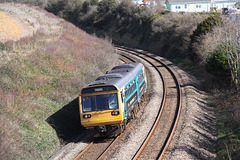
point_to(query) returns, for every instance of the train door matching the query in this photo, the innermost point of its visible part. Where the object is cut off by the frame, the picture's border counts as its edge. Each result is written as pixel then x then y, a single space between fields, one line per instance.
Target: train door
pixel 124 104
pixel 137 84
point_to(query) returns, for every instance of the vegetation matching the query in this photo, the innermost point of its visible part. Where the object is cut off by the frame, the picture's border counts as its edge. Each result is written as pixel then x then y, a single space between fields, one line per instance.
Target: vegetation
pixel 228 144
pixel 217 63
pixel 40 79
pixel 8 28
pixel 203 28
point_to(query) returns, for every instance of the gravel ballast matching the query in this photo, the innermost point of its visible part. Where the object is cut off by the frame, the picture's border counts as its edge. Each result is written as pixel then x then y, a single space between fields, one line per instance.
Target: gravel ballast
pixel 195 137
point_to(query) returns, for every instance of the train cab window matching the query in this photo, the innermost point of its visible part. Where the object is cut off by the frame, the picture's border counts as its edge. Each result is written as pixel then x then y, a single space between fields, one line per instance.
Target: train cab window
pixel 87 104
pixel 113 101
pixel 99 102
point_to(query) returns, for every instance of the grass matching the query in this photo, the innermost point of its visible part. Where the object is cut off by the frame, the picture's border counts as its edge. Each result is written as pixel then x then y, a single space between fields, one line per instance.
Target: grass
pixel 40 79
pixel 188 65
pixel 228 128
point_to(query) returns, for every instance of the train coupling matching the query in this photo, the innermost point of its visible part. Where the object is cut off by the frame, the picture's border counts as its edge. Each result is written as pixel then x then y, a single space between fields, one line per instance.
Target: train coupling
pixel 102 128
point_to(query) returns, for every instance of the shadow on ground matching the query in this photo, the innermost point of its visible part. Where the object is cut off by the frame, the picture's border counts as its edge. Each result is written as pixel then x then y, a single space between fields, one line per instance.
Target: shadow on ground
pixel 66 122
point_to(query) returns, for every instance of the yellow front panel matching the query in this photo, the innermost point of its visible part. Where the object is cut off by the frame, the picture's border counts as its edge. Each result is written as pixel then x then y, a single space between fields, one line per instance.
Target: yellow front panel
pixel 101 117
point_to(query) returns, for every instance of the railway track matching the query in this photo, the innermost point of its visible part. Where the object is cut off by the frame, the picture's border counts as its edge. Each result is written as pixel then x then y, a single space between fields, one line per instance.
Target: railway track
pixel 169 113
pixel 165 121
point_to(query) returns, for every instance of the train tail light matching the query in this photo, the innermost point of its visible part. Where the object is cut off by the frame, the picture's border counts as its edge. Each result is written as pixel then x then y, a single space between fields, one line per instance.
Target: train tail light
pixel 87 116
pixel 113 113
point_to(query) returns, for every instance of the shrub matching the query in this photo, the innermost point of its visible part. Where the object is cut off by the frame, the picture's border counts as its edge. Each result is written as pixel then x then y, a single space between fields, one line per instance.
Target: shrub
pixel 106 6
pixel 217 63
pixel 205 26
pixel 99 24
pixel 202 28
pixel 2 46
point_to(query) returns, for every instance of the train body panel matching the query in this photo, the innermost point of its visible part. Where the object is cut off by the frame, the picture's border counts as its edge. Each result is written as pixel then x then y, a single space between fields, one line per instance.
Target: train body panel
pixel 110 99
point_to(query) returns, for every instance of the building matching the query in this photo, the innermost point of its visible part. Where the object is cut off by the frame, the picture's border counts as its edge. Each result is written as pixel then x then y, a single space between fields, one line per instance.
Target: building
pixel 188 5
pixel 199 5
pixel 144 2
pixel 220 4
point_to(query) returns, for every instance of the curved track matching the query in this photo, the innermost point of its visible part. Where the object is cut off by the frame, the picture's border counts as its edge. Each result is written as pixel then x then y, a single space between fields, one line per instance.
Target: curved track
pixel 165 123
pixel 169 113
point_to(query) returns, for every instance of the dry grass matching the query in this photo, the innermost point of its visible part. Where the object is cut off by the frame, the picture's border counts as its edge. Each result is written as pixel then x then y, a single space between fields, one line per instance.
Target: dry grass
pixel 8 28
pixel 41 74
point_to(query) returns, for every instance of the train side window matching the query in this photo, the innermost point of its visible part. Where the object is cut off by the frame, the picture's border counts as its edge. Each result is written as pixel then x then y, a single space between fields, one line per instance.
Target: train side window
pixel 140 78
pixel 130 88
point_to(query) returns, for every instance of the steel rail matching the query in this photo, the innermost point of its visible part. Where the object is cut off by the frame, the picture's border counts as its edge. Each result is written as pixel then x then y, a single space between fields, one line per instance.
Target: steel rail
pixel 146 140
pixel 177 112
pixel 84 151
pixel 126 59
pixel 112 143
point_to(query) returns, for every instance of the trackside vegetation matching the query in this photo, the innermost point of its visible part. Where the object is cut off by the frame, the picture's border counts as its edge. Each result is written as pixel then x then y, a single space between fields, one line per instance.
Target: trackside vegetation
pixel 40 79
pixel 206 44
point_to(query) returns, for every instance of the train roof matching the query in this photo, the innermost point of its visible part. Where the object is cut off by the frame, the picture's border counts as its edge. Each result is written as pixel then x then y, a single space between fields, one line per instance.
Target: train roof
pixel 118 76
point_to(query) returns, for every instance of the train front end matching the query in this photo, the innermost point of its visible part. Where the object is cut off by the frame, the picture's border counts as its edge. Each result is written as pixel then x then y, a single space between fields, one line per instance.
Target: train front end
pixel 100 109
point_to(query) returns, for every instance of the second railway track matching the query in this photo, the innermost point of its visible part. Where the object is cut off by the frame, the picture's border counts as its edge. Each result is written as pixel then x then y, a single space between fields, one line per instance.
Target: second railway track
pixel 158 136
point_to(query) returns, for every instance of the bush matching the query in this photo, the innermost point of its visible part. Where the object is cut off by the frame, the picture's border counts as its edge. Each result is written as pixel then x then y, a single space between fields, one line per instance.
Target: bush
pixel 217 63
pixel 106 6
pixel 205 26
pixel 99 24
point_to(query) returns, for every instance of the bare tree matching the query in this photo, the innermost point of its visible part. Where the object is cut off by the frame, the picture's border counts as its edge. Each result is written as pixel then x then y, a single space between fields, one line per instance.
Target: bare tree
pixel 231 43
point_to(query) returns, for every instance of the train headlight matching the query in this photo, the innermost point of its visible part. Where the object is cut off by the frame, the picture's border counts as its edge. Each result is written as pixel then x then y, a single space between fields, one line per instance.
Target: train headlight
pixel 113 113
pixel 87 116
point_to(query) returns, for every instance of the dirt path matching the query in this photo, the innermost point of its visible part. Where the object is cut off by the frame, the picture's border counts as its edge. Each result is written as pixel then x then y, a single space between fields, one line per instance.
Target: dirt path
pixel 13 27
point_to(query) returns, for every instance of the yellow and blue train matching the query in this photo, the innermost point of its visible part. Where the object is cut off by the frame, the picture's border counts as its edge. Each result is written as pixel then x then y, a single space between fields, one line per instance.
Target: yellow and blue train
pixel 108 103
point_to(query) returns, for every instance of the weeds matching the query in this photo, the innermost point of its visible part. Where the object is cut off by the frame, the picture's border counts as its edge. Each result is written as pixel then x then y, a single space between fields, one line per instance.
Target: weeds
pixel 228 127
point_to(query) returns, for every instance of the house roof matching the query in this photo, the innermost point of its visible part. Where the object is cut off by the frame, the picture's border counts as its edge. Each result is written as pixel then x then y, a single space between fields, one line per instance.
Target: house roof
pixel 222 1
pixel 188 1
pixel 238 12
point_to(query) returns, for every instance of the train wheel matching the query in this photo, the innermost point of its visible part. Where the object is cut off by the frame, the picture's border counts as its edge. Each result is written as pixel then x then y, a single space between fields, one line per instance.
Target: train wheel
pixel 123 126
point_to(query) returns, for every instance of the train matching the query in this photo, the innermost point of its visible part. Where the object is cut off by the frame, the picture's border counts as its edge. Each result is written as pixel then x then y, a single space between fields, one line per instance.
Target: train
pixel 107 104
